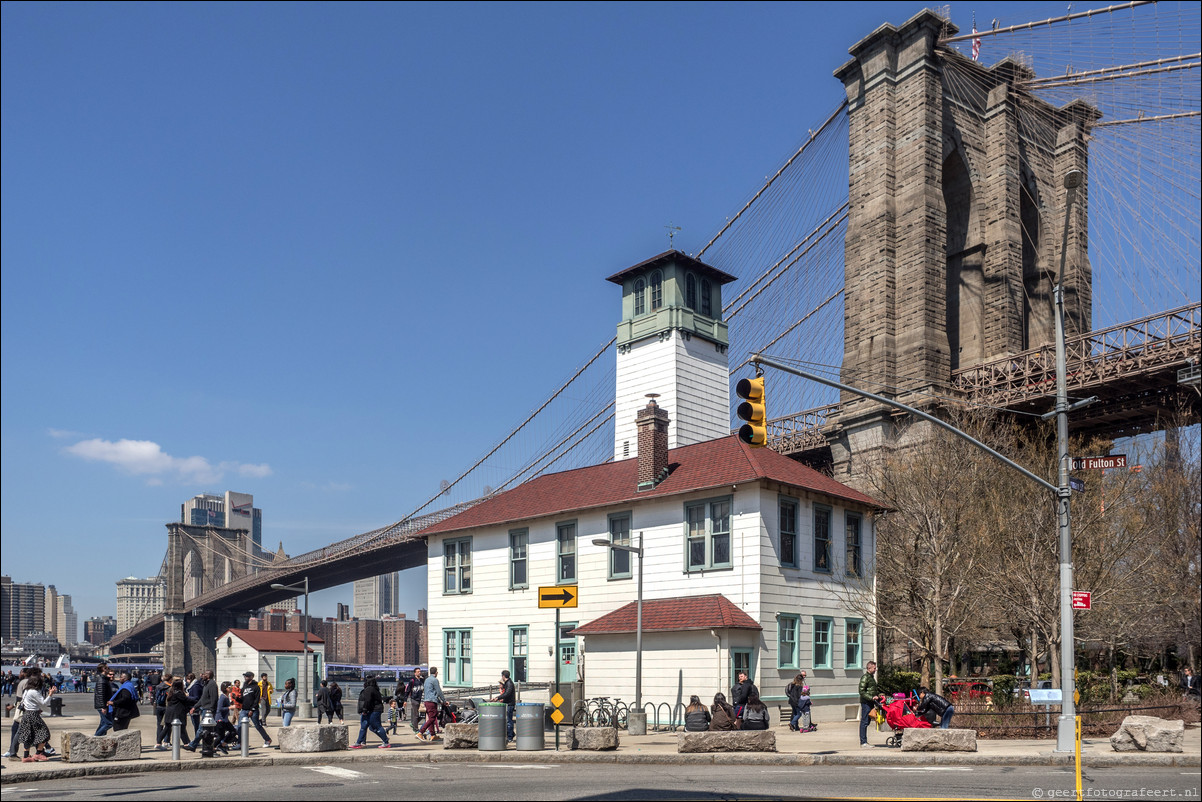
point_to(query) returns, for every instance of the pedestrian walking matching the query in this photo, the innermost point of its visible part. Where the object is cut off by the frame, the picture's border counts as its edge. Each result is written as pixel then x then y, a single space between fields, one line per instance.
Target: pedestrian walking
pixel 288 702
pixel 414 691
pixel 250 707
pixel 101 696
pixel 323 704
pixel 265 690
pixel 33 730
pixel 432 698
pixel 371 707
pixel 868 689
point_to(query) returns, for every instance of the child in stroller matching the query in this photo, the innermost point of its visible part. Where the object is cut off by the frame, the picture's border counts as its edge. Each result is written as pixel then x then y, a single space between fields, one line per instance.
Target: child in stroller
pixel 899 715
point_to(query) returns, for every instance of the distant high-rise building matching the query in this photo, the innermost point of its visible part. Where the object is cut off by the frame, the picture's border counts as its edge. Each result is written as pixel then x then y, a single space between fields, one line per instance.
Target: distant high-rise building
pixel 377 596
pixel 138 599
pixel 99 630
pixel 22 608
pixel 59 617
pixel 231 511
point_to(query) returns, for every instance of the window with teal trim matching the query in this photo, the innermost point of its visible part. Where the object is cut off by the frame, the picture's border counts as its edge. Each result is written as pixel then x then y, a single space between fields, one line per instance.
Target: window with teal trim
pixel 640 301
pixel 519 653
pixel 855 552
pixel 619 533
pixel 565 537
pixel 822 539
pixel 788 532
pixel 457 566
pixel 457 657
pixel 855 636
pixel 822 642
pixel 707 535
pixel 786 641
pixel 707 304
pixel 690 283
pixel 519 544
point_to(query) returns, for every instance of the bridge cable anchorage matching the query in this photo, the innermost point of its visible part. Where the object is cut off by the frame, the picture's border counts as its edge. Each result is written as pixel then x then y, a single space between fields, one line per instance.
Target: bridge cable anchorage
pixel 804 145
pixel 1025 26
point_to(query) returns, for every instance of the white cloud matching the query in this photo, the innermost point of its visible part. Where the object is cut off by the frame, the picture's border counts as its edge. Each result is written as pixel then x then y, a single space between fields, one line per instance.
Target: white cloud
pixel 147 458
pixel 61 434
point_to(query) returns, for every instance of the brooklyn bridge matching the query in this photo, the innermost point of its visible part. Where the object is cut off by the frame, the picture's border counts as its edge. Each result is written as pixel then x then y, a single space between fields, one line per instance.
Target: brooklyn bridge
pixel 910 245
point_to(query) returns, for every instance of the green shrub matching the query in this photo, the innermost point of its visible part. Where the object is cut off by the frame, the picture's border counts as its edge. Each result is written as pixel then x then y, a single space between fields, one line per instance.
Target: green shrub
pixel 1003 690
pixel 892 679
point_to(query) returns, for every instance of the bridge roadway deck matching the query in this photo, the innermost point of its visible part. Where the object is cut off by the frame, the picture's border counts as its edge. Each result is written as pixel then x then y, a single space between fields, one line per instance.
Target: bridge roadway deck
pixel 1131 368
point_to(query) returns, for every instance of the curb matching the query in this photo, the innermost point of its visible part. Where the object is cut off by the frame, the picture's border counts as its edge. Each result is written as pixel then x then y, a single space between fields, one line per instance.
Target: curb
pixel 145 765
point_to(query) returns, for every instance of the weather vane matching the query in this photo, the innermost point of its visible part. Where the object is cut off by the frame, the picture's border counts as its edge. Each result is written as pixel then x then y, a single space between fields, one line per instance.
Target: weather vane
pixel 671 233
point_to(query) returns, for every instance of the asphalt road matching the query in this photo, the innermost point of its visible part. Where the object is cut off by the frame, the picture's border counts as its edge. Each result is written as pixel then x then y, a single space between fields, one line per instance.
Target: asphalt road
pixel 480 781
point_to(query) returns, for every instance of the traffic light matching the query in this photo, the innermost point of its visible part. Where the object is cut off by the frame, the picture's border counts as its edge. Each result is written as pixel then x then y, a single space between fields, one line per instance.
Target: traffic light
pixel 753 410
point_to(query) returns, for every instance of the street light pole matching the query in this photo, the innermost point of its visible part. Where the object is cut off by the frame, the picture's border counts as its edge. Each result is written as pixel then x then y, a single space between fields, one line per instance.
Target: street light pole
pixel 1066 729
pixel 636 721
pixel 304 705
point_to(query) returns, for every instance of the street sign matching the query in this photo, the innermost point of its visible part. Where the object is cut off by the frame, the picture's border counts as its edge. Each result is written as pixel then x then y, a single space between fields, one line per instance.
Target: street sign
pixel 557 596
pixel 1099 463
pixel 1082 600
pixel 1077 484
pixel 557 715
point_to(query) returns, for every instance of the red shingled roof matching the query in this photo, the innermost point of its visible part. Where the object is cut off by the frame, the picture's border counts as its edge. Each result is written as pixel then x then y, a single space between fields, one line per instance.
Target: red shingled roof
pixel 701 466
pixel 672 615
pixel 266 641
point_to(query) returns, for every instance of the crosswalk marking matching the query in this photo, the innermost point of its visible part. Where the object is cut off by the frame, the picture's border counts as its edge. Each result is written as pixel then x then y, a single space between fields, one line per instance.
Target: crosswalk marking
pixel 335 771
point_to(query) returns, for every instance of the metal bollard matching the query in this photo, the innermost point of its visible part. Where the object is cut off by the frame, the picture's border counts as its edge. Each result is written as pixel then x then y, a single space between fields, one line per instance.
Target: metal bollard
pixel 175 727
pixel 244 730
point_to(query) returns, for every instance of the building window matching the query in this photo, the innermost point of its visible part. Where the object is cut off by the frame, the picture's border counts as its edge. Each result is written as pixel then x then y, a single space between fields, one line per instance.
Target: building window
pixel 822 642
pixel 519 650
pixel 855 632
pixel 786 641
pixel 822 539
pixel 657 290
pixel 690 283
pixel 519 540
pixel 707 298
pixel 852 537
pixel 457 665
pixel 565 535
pixel 457 566
pixel 788 532
pixel 619 533
pixel 640 302
pixel 708 534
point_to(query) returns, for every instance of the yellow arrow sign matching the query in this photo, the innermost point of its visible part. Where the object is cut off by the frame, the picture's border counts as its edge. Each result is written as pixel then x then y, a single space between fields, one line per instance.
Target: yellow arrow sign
pixel 557 596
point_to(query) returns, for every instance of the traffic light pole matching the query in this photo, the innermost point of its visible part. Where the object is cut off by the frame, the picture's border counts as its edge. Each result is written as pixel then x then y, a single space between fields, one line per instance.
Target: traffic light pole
pixel 1066 725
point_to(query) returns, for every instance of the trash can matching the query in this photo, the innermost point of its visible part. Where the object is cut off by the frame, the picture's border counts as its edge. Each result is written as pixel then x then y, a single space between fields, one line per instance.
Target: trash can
pixel 56 705
pixel 529 726
pixel 492 726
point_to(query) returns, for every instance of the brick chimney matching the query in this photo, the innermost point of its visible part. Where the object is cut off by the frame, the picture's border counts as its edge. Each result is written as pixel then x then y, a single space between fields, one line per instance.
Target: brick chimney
pixel 652 425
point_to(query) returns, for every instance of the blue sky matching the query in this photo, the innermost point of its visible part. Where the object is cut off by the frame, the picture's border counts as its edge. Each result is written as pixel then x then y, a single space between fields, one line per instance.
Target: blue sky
pixel 329 253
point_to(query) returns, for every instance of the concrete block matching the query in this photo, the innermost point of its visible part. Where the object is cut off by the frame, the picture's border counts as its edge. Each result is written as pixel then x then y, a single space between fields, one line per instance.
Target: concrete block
pixel 78 747
pixel 938 740
pixel 1148 734
pixel 314 738
pixel 461 736
pixel 737 741
pixel 592 739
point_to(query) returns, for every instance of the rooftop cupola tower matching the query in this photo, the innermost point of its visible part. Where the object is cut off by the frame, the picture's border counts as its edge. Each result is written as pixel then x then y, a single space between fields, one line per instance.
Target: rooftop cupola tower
pixel 672 341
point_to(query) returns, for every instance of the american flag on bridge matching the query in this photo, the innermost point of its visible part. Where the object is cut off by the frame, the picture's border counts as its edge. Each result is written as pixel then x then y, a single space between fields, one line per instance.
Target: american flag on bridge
pixel 976 40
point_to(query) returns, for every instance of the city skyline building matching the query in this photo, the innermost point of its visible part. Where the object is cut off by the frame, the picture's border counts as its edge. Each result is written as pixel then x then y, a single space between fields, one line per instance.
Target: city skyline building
pixel 138 599
pixel 377 596
pixel 22 608
pixel 230 511
pixel 99 629
pixel 60 618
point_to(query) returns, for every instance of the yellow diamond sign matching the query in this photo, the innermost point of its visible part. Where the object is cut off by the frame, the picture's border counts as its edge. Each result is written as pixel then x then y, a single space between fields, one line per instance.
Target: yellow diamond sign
pixel 556 716
pixel 556 700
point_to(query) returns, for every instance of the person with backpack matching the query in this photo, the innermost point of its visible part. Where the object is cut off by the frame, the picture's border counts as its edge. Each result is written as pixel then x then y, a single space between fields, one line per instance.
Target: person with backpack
pixel 159 699
pixel 371 707
pixel 323 704
pixel 414 690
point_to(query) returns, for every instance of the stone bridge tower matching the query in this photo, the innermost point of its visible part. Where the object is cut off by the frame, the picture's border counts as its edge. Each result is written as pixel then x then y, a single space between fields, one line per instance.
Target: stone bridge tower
pixel 954 235
pixel 200 559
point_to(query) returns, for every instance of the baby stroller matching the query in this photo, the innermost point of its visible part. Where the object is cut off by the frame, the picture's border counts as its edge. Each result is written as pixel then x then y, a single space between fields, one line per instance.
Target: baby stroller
pixel 899 715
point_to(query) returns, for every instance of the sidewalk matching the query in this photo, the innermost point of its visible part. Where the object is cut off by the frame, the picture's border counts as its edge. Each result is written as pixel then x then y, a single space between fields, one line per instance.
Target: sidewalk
pixel 833 744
